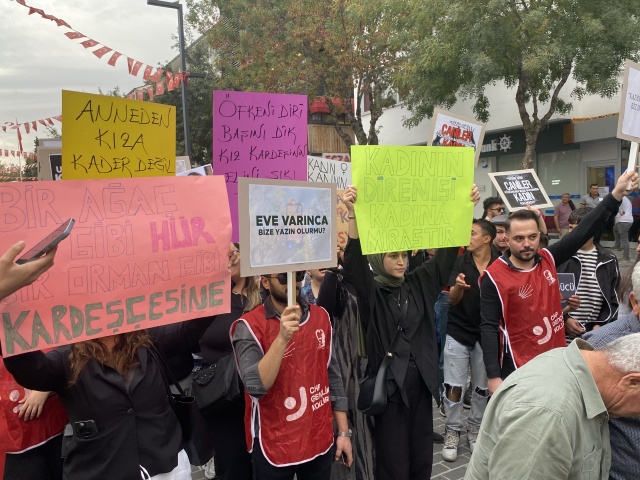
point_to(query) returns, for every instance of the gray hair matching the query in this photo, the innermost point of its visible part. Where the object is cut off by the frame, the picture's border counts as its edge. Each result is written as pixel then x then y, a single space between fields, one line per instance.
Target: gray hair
pixel 624 353
pixel 635 280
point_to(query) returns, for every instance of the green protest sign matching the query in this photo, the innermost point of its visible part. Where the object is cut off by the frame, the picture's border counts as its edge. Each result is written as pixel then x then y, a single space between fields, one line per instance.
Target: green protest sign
pixel 412 197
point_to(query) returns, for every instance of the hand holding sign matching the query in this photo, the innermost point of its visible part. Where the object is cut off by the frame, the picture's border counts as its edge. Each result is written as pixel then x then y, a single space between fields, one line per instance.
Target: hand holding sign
pixel 289 322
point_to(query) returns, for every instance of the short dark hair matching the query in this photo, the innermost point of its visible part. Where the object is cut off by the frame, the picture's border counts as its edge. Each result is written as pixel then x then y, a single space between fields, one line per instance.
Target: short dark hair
pixel 578 214
pixel 491 201
pixel 520 216
pixel 486 226
pixel 593 185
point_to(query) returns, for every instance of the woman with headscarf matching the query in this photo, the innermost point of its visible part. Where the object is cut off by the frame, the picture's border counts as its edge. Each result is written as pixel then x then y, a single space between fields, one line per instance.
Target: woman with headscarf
pixel 388 297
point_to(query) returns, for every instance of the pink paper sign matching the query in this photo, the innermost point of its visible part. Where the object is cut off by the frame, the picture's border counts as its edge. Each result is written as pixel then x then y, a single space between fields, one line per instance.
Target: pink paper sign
pixel 143 252
pixel 258 135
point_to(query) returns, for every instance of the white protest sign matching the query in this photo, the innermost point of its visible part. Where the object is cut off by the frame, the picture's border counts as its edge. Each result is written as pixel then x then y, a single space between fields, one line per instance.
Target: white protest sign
pixel 449 130
pixel 629 118
pixel 286 225
pixel 329 171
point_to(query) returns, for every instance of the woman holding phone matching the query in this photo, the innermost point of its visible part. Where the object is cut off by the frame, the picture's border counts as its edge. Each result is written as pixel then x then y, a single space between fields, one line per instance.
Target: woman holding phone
pixel 115 395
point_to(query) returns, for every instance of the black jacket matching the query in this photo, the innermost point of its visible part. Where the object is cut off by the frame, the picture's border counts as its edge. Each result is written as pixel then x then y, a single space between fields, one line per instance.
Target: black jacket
pixel 608 277
pixel 136 426
pixel 380 314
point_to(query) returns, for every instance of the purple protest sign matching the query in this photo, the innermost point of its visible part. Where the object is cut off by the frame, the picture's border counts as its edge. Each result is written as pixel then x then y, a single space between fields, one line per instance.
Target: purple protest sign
pixel 258 135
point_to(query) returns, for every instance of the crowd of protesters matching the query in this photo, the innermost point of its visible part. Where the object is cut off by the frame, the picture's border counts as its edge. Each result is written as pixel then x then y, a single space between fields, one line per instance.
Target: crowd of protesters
pixel 553 384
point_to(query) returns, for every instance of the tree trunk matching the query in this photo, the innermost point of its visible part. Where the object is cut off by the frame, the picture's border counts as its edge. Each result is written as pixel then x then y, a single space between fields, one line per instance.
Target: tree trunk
pixel 530 149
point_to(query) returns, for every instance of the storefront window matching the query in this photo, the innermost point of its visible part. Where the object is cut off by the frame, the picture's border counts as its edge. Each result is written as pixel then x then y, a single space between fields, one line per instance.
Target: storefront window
pixel 559 173
pixel 507 163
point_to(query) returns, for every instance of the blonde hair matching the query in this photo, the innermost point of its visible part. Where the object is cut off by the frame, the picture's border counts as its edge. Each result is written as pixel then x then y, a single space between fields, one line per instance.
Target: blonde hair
pixel 123 357
pixel 251 291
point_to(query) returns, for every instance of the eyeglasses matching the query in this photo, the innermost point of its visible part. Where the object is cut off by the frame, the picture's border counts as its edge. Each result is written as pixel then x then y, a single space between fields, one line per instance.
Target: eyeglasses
pixel 282 277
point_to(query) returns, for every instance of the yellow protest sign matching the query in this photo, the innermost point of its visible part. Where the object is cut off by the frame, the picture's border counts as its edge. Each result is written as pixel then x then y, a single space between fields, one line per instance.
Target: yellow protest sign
pixel 113 137
pixel 412 197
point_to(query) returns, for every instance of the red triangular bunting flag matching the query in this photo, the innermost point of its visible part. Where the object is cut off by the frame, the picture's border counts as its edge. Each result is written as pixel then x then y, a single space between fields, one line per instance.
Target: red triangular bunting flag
pixel 58 118
pixel 13 153
pixel 73 35
pixel 130 63
pixel 147 72
pixel 24 155
pixel 27 127
pixel 21 2
pixel 34 125
pixel 140 94
pixel 62 23
pixel 49 121
pixel 4 129
pixel 43 122
pixel 36 10
pixel 6 153
pixel 102 51
pixel 159 88
pixel 130 96
pixel 149 90
pixel 156 76
pixel 136 68
pixel 114 58
pixel 185 77
pixel 89 43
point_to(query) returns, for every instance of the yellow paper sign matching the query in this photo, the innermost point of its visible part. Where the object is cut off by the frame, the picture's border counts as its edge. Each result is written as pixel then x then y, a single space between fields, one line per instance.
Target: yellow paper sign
pixel 112 137
pixel 411 198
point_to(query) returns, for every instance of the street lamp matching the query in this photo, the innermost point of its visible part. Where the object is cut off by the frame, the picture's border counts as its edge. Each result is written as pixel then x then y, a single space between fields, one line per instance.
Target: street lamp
pixel 183 67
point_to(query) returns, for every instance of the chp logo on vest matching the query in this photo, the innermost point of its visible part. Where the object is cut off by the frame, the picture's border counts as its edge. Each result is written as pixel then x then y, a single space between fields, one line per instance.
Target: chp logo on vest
pixel 321 339
pixel 525 291
pixel 319 397
pixel 549 276
pixel 550 327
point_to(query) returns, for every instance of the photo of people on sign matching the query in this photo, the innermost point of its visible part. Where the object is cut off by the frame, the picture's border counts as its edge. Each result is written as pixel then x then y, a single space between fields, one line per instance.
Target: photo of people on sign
pixel 519 189
pixel 629 118
pixel 448 130
pixel 286 223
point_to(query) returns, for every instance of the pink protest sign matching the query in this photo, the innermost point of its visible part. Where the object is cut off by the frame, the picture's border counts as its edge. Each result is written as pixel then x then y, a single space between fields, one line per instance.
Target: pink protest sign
pixel 143 252
pixel 258 135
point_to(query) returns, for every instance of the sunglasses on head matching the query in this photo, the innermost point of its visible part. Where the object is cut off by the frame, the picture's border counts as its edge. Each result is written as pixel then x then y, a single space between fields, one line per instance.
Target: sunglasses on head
pixel 282 277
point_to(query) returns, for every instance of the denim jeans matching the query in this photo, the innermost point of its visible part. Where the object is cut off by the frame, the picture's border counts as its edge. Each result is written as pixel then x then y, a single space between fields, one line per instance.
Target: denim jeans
pixel 442 315
pixel 457 359
pixel 621 234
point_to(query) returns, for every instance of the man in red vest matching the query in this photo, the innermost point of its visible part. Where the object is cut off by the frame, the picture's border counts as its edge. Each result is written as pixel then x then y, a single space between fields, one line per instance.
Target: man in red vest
pixel 521 313
pixel 293 387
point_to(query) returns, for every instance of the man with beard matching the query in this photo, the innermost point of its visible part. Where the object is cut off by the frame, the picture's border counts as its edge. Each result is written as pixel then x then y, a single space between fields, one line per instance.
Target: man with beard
pixel 521 313
pixel 293 384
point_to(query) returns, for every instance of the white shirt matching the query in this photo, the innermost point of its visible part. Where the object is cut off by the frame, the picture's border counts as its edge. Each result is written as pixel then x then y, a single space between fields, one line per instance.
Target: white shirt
pixel 625 212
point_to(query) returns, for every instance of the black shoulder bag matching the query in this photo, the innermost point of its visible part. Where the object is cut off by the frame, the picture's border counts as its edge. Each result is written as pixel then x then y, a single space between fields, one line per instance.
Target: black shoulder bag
pixel 372 399
pixel 195 438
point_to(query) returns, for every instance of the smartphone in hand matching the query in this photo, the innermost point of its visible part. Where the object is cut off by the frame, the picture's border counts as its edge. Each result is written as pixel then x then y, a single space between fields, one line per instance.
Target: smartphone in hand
pixel 47 243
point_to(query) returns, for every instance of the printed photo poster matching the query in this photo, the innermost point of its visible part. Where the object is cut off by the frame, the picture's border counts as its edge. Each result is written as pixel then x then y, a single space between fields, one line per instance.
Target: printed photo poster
pixel 258 135
pixel 197 171
pixel 288 226
pixel 520 188
pixel 142 253
pixel 329 171
pixel 411 198
pixel 112 137
pixel 449 130
pixel 629 118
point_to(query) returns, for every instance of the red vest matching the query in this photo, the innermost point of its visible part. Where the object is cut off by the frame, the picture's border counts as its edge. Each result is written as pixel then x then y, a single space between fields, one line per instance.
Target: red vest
pixel 532 320
pixel 19 435
pixel 295 415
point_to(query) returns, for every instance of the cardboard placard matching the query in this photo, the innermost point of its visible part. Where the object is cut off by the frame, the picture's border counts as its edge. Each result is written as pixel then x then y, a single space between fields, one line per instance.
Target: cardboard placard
pixel 449 130
pixel 56 166
pixel 342 157
pixel 258 135
pixel 520 188
pixel 629 118
pixel 113 137
pixel 142 253
pixel 411 198
pixel 567 285
pixel 287 226
pixel 342 220
pixel 329 171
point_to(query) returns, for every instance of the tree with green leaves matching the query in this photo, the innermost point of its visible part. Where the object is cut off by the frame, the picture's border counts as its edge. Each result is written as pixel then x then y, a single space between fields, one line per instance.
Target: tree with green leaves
pixel 459 47
pixel 321 48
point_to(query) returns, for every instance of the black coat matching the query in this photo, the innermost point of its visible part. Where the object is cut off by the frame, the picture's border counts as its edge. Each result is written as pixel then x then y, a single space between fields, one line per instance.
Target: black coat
pixel 136 426
pixel 380 314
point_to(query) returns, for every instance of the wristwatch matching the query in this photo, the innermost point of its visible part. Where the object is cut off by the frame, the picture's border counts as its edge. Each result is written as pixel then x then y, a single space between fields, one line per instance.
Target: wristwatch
pixel 345 434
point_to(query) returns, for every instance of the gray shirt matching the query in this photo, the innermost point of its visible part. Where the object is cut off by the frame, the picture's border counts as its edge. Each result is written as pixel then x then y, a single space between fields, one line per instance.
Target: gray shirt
pixel 546 421
pixel 625 432
pixel 589 201
pixel 249 353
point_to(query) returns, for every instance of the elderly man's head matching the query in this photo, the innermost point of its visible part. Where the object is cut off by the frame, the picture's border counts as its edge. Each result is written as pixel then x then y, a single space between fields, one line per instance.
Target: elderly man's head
pixel 620 386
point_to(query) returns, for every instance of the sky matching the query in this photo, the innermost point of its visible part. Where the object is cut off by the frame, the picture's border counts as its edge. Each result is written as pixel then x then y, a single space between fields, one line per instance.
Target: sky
pixel 37 61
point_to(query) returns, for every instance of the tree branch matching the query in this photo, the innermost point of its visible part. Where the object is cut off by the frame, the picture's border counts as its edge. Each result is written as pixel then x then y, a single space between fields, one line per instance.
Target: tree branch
pixel 566 71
